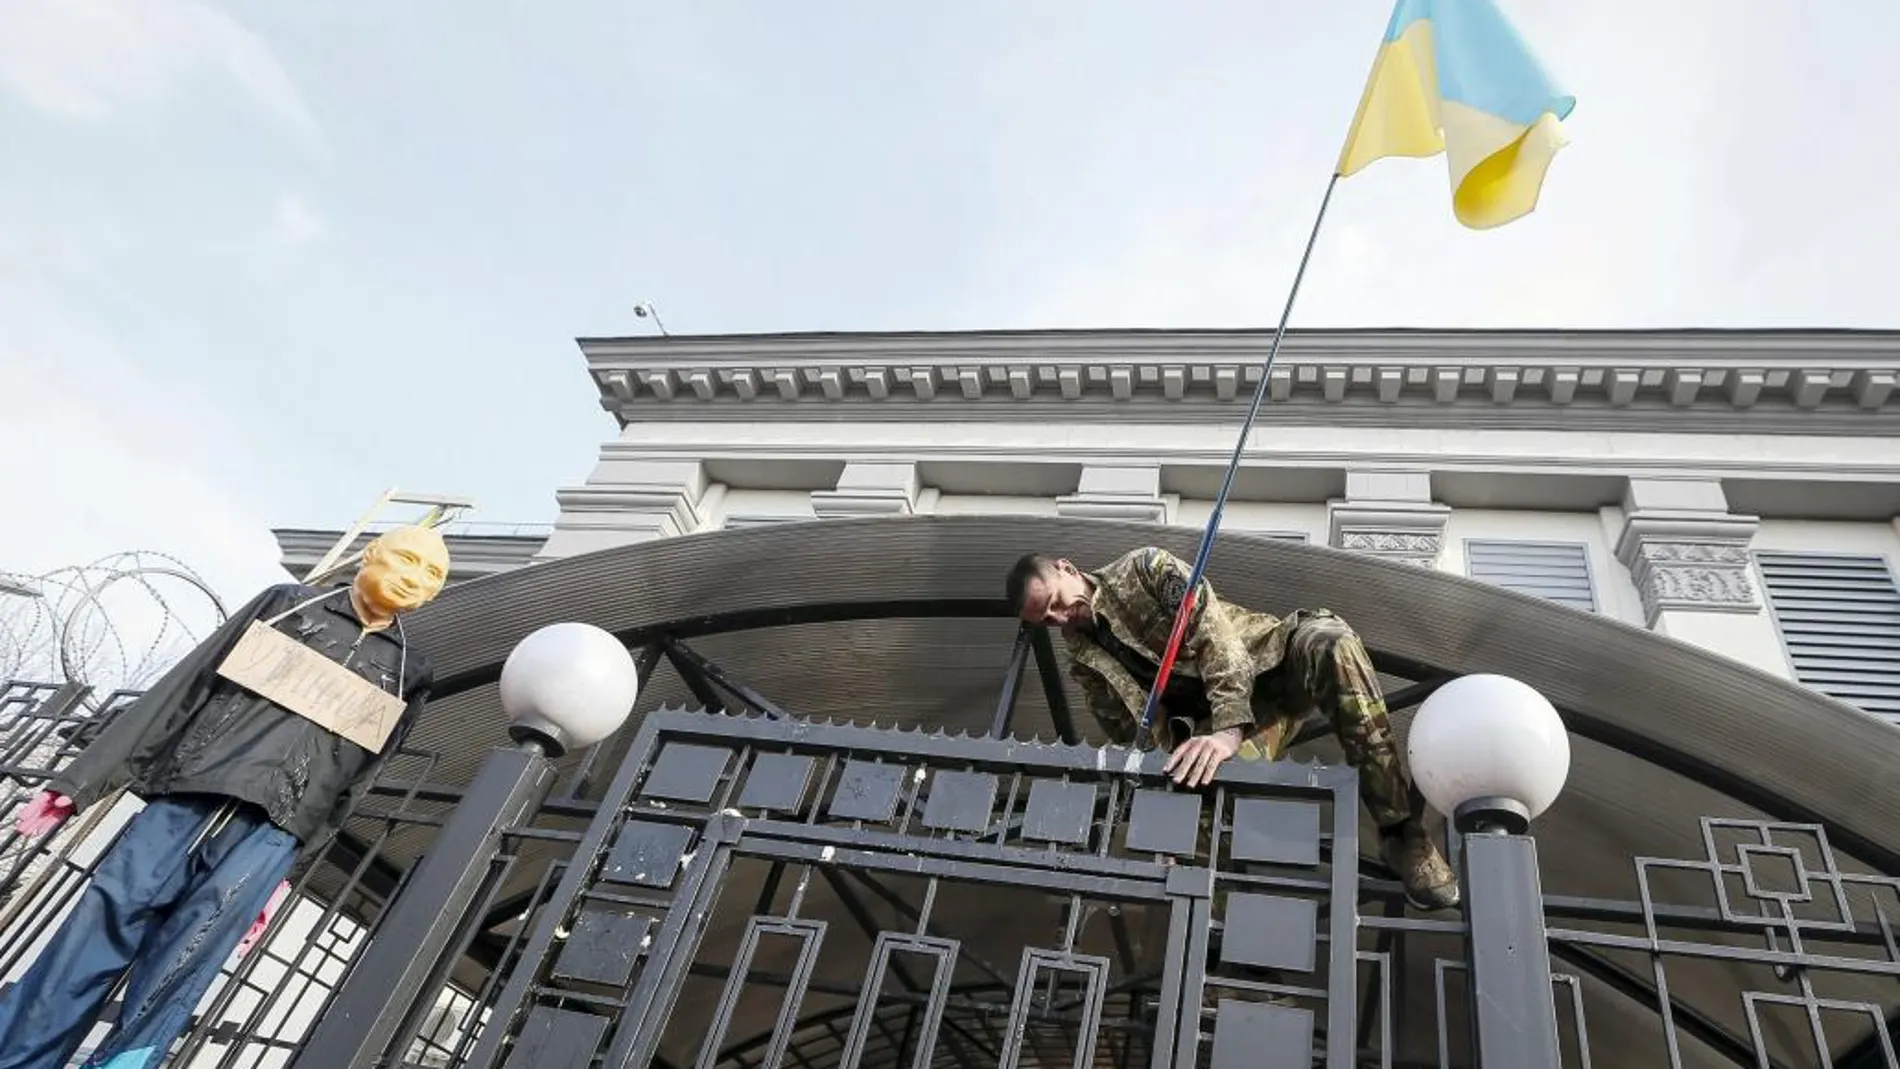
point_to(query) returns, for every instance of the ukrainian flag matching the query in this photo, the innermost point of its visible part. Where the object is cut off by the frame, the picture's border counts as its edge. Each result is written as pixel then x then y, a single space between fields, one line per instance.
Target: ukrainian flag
pixel 1454 77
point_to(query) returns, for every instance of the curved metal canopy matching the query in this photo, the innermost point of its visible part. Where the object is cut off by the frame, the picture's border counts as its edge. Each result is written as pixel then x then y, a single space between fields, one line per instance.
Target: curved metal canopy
pixel 901 620
pixel 1780 748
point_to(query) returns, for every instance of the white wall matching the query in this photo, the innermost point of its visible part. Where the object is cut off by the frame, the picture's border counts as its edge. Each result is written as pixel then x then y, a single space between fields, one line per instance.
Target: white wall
pixel 989 505
pixel 1047 441
pixel 1747 637
pixel 1872 539
pixel 1013 456
pixel 1258 517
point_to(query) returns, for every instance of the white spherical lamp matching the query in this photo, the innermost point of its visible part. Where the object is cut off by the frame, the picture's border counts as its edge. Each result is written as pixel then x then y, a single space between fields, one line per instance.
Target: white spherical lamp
pixel 1489 751
pixel 568 686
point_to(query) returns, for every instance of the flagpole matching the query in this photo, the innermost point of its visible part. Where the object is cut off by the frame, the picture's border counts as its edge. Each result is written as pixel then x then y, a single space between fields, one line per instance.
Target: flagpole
pixel 1186 611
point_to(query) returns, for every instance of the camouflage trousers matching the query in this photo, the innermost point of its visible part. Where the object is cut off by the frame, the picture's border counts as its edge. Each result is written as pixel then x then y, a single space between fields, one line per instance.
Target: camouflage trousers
pixel 1327 667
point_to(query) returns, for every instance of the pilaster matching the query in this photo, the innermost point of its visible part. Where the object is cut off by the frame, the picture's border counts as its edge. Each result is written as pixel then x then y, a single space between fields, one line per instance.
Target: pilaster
pixel 1389 514
pixel 869 489
pixel 1685 551
pixel 1108 492
pixel 627 500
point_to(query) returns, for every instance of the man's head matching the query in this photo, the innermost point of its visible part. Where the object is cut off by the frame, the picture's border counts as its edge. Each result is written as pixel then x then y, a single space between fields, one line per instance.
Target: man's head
pixel 402 570
pixel 1050 593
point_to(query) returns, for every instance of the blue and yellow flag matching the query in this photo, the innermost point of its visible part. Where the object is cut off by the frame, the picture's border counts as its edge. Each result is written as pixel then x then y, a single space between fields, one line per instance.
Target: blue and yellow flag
pixel 1454 77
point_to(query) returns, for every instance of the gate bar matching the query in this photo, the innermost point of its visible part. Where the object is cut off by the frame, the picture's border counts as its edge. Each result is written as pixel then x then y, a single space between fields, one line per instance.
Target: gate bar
pixel 1012 686
pixel 418 925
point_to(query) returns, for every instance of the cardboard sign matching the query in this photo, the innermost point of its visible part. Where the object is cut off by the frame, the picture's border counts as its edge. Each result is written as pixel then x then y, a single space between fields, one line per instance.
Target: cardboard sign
pixel 276 667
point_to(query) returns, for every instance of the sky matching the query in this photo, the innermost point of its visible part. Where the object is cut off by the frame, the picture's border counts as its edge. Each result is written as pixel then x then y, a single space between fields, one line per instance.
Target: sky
pixel 260 261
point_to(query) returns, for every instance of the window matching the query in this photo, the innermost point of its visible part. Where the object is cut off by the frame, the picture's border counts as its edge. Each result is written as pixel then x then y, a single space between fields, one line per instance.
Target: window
pixel 1555 571
pixel 1839 618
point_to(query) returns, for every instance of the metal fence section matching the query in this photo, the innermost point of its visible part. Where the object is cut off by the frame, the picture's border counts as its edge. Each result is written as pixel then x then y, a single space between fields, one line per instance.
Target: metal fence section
pixel 1765 953
pixel 756 889
pixel 43 726
pixel 263 1005
pixel 1812 947
pixel 723 891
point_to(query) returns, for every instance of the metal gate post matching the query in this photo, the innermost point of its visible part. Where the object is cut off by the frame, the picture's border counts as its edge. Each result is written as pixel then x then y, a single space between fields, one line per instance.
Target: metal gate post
pixel 419 925
pixel 1513 1011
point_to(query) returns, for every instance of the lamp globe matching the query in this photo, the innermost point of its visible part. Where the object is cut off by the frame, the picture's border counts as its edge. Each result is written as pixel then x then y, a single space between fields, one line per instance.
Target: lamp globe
pixel 568 686
pixel 1490 752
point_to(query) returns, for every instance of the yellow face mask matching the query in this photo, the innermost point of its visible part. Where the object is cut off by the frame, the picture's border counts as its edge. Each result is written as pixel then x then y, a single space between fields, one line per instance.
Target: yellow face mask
pixel 402 570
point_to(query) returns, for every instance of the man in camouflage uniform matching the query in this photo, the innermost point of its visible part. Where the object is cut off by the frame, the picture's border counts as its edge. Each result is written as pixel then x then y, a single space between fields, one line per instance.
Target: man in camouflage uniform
pixel 1240 684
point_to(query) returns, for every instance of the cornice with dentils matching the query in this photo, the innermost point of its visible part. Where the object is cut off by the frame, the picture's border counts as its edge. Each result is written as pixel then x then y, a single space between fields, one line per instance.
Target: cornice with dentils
pixel 1807 382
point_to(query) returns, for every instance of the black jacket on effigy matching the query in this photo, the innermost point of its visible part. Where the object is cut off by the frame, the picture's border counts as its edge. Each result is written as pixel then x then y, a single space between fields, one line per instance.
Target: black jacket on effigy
pixel 197 733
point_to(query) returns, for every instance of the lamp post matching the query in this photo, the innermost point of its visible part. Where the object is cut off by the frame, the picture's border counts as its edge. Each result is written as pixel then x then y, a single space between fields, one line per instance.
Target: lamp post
pixel 564 687
pixel 1490 752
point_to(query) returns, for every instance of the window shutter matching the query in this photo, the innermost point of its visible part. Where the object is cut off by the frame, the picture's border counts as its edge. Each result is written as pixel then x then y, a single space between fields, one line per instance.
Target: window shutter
pixel 1839 617
pixel 1555 571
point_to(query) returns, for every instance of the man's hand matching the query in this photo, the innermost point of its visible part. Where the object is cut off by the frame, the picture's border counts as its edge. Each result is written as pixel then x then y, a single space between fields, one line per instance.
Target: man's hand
pixel 1196 761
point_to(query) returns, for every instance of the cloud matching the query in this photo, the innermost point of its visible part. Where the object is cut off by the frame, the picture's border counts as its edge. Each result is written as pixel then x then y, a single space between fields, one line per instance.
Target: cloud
pixel 114 459
pixel 295 222
pixel 88 58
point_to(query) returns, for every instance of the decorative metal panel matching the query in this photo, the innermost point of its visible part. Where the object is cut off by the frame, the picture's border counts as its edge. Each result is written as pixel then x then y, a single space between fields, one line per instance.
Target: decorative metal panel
pixel 916 901
pixel 1554 571
pixel 1066 906
pixel 1839 617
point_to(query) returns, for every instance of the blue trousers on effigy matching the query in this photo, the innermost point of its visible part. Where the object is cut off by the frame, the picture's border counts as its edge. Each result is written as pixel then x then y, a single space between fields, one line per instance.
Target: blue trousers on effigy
pixel 167 911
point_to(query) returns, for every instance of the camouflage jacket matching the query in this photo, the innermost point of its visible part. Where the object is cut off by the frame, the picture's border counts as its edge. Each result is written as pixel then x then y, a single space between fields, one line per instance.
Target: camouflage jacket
pixel 1225 647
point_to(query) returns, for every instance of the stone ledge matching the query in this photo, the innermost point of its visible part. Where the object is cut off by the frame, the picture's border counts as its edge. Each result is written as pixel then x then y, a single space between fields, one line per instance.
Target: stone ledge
pixel 861 501
pixel 1132 507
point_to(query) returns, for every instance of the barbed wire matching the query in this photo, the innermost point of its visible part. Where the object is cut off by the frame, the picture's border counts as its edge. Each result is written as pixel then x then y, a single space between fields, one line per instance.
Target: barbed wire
pixel 115 624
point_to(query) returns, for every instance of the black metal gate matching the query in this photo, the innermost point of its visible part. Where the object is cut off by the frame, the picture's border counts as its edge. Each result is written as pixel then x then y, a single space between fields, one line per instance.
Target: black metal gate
pixel 748 893
pixel 756 893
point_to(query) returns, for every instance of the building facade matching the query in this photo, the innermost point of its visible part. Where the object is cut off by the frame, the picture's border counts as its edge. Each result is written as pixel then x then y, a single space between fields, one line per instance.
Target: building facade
pixel 855 820
pixel 1736 490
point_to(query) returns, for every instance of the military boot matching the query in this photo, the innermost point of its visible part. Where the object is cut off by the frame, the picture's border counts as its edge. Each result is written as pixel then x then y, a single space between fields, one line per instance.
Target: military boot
pixel 1409 851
